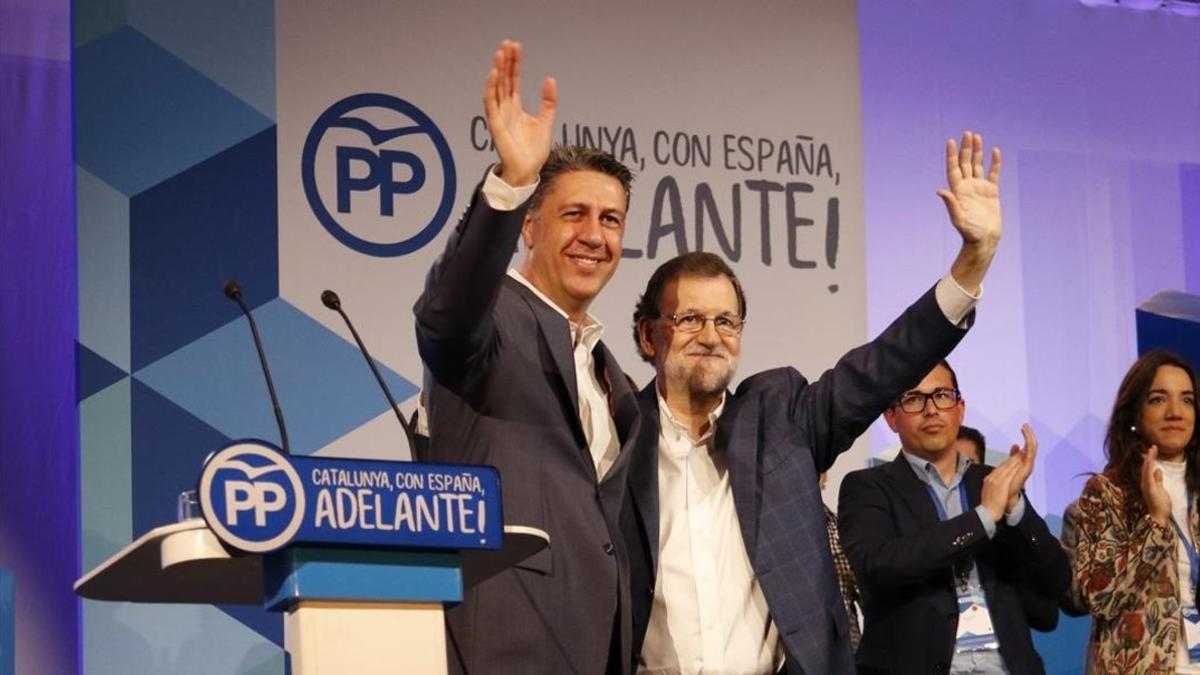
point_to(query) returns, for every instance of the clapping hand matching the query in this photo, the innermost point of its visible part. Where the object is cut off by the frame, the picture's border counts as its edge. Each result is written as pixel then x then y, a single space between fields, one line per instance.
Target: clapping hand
pixel 1158 502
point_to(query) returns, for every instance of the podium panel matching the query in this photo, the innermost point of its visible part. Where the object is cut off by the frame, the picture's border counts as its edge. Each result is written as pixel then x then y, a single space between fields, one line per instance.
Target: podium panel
pixel 365 638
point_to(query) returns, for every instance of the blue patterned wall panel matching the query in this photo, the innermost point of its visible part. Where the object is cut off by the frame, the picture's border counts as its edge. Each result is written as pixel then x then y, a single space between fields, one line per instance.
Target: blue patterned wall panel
pixel 168 449
pixel 93 372
pixel 96 18
pixel 143 115
pixel 230 41
pixel 325 388
pixel 105 495
pixel 125 638
pixel 103 236
pixel 212 222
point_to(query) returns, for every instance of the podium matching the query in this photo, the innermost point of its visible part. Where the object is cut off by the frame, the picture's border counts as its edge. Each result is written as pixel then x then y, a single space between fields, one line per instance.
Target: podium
pixel 364 600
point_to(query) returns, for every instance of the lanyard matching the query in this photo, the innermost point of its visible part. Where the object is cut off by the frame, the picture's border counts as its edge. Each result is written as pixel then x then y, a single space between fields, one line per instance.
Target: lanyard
pixel 937 503
pixel 1188 547
pixel 962 572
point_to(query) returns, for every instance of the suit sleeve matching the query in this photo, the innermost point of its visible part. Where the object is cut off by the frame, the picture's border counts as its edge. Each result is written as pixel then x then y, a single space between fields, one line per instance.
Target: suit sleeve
pixel 838 407
pixel 1120 566
pixel 1041 561
pixel 454 320
pixel 880 556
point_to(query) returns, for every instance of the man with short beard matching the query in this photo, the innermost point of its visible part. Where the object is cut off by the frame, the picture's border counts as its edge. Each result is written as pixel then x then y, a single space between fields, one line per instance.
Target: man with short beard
pixel 730 568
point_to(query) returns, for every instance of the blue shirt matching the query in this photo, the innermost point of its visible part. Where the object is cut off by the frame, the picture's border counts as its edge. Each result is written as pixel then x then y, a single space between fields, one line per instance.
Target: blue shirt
pixel 948 495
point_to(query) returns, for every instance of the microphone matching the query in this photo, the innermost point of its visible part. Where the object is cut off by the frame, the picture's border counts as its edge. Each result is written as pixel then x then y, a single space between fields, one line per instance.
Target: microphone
pixel 332 301
pixel 233 291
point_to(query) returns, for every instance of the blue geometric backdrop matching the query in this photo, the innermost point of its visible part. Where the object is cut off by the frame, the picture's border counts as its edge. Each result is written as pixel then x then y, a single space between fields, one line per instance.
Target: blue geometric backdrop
pixel 176 156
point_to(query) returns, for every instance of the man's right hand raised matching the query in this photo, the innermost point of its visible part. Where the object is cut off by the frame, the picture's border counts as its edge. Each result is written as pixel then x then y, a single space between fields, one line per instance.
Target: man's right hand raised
pixel 522 140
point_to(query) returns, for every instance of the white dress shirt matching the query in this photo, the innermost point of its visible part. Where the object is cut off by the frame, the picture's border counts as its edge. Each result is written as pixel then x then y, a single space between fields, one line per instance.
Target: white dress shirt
pixel 594 414
pixel 709 613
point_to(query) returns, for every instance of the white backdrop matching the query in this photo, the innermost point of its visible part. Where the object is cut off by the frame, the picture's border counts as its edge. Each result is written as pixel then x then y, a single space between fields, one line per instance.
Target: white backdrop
pixel 717 107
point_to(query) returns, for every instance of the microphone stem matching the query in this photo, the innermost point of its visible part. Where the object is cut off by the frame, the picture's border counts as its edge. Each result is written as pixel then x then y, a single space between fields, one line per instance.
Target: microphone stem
pixel 408 430
pixel 262 358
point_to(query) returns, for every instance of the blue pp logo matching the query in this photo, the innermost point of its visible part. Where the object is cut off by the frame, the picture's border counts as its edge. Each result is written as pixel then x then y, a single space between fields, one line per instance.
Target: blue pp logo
pixel 388 178
pixel 252 497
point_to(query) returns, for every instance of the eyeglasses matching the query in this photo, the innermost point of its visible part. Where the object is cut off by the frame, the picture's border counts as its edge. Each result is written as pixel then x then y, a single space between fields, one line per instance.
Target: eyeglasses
pixel 692 322
pixel 913 402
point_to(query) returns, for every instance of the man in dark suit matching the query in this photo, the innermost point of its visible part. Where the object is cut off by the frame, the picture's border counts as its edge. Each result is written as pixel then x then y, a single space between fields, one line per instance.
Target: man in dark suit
pixel 729 551
pixel 941 547
pixel 516 377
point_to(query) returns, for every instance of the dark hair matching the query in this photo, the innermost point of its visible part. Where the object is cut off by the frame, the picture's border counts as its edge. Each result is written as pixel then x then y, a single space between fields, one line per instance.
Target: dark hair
pixel 568 158
pixel 953 381
pixel 1124 443
pixel 694 264
pixel 966 433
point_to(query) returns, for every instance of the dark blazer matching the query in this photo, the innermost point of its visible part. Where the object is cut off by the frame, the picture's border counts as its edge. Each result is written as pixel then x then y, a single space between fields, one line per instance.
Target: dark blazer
pixel 500 389
pixel 779 432
pixel 903 557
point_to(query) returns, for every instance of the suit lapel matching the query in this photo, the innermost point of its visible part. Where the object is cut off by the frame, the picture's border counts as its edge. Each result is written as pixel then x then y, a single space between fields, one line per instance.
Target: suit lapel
pixel 622 401
pixel 911 490
pixel 556 332
pixel 973 483
pixel 742 444
pixel 623 407
pixel 643 469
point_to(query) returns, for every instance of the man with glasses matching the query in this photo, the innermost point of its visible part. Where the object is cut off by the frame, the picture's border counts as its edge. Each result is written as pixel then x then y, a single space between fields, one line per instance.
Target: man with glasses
pixel 730 567
pixel 942 548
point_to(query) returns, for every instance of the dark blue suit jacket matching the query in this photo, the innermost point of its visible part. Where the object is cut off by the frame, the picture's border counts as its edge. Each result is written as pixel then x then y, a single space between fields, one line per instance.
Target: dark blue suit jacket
pixel 500 389
pixel 780 432
pixel 903 558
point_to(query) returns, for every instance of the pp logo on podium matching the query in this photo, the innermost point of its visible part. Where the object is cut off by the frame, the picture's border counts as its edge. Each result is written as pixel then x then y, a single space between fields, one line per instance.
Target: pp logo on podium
pixel 252 497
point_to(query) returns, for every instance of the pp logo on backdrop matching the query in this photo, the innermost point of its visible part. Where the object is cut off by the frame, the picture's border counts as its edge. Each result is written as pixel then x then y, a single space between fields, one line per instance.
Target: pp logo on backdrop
pixel 378 174
pixel 252 497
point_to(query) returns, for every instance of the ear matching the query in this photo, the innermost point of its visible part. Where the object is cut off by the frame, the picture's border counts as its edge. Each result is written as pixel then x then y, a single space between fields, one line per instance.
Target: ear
pixel 645 332
pixel 527 230
pixel 889 416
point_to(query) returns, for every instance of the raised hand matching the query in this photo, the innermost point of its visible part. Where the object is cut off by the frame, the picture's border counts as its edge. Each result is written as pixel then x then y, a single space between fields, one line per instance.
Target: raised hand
pixel 973 198
pixel 997 486
pixel 1158 502
pixel 1024 457
pixel 522 140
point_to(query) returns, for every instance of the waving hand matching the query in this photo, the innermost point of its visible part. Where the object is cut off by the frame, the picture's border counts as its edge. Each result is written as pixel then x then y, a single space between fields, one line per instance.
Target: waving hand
pixel 522 140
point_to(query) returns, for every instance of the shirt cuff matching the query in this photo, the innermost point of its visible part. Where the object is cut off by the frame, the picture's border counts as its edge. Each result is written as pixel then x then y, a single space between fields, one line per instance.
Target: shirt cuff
pixel 989 525
pixel 954 301
pixel 1017 513
pixel 503 197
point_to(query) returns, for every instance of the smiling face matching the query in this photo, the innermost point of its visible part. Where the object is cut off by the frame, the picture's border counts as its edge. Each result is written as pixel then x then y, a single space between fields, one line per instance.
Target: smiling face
pixel 694 365
pixel 574 239
pixel 932 432
pixel 1168 414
